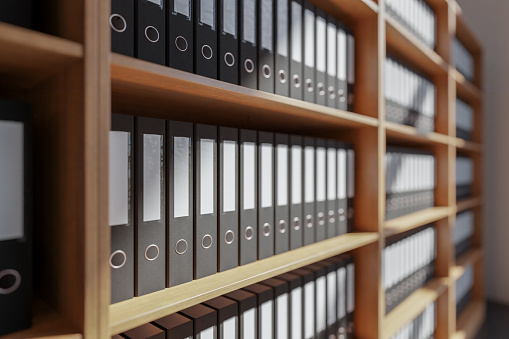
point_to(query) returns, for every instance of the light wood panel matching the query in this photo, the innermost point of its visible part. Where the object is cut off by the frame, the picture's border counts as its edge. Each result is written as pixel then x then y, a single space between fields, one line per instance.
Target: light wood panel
pixel 466 146
pixel 414 220
pixel 466 204
pixel 465 89
pixel 411 135
pixel 140 310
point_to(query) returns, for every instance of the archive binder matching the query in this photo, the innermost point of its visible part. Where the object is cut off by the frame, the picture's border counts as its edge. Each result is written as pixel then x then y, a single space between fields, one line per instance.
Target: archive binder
pixel 265 195
pixel 265 307
pixel 281 307
pixel 332 297
pixel 248 223
pixel 309 52
pixel 180 22
pixel 121 207
pixel 228 42
pixel 205 226
pixel 205 38
pixel 181 203
pixel 321 57
pixel 342 205
pixel 227 317
pixel 176 326
pixel 150 42
pixel 296 181
pixel 122 26
pixel 228 254
pixel 247 313
pixel 342 321
pixel 15 216
pixel 350 71
pixel 320 279
pixel 282 210
pixel 296 49
pixel 330 209
pixel 266 45
pixel 320 178
pixel 342 90
pixel 332 61
pixel 296 304
pixel 309 191
pixel 17 12
pixel 145 331
pixel 248 50
pixel 350 186
pixel 282 57
pixel 204 321
pixel 150 205
pixel 308 302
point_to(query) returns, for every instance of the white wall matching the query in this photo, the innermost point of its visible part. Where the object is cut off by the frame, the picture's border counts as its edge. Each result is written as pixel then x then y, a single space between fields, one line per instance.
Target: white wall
pixel 489 20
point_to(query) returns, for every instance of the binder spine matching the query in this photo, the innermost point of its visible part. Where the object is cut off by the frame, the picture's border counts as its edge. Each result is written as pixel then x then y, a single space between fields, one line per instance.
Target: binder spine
pixel 248 44
pixel 122 27
pixel 309 52
pixel 296 192
pixel 150 39
pixel 266 227
pixel 205 38
pixel 309 191
pixel 296 49
pixel 282 53
pixel 331 206
pixel 332 61
pixel 320 57
pixel 320 190
pixel 282 210
pixel 180 45
pixel 266 68
pixel 228 42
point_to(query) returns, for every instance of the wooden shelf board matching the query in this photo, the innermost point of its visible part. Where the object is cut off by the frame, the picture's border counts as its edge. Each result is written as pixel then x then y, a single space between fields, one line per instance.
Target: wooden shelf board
pixel 470 320
pixel 414 220
pixel 468 203
pixel 465 89
pixel 412 306
pixel 467 146
pixel 27 56
pixel 471 257
pixel 140 87
pixel 395 131
pixel 403 44
pixel 46 322
pixel 140 310
pixel 349 12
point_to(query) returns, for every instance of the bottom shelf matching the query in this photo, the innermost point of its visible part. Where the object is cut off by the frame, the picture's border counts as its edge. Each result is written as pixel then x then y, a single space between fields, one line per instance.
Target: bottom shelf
pixel 470 320
pixel 46 322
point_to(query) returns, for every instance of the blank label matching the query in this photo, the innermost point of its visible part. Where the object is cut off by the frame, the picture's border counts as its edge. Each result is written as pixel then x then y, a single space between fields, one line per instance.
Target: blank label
pixel 282 316
pixel 229 176
pixel 157 2
pixel 282 175
pixel 309 310
pixel 266 320
pixel 321 304
pixel 207 334
pixel 207 176
pixel 249 22
pixel 182 7
pixel 341 174
pixel 266 175
pixel 296 31
pixel 309 177
pixel 230 328
pixel 321 34
pixel 331 174
pixel 208 13
pixel 230 17
pixel 282 27
pixel 341 55
pixel 249 175
pixel 119 178
pixel 181 155
pixel 249 324
pixel 266 22
pixel 296 313
pixel 152 168
pixel 309 38
pixel 11 180
pixel 331 298
pixel 296 174
pixel 321 174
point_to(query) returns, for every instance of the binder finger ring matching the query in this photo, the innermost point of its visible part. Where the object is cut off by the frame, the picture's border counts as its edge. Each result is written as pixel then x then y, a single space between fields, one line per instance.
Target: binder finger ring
pixel 151 252
pixel 114 262
pixel 9 281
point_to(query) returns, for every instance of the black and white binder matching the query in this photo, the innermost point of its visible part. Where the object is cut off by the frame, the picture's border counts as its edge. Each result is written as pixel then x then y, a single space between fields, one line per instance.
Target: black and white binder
pixel 350 297
pixel 150 205
pixel 265 195
pixel 266 45
pixel 122 26
pixel 180 259
pixel 296 191
pixel 15 217
pixel 248 50
pixel 204 321
pixel 205 38
pixel 332 296
pixel 228 235
pixel 247 311
pixel 228 42
pixel 308 302
pixel 296 49
pixel 309 52
pixel 296 304
pixel 282 55
pixel 342 90
pixel 121 206
pixel 227 317
pixel 350 186
pixel 319 271
pixel 175 325
pixel 331 206
pixel 150 42
pixel 282 210
pixel 281 307
pixel 342 321
pixel 350 74
pixel 205 225
pixel 321 227
pixel 342 205
pixel 248 223
pixel 321 57
pixel 265 307
pixel 180 22
pixel 332 61
pixel 309 190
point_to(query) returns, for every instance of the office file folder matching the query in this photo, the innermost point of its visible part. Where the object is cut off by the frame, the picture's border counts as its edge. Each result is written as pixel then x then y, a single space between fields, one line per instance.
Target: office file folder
pixel 248 223
pixel 296 49
pixel 247 313
pixel 228 240
pixel 295 304
pixel 205 226
pixel 176 326
pixel 350 71
pixel 309 52
pixel 309 191
pixel 150 42
pixel 248 51
pixel 180 259
pixel 205 38
pixel 282 210
pixel 145 331
pixel 15 216
pixel 321 57
pixel 204 321
pixel 227 317
pixel 266 45
pixel 122 26
pixel 228 42
pixel 265 195
pixel 332 173
pixel 281 307
pixel 332 61
pixel 296 191
pixel 342 90
pixel 265 309
pixel 350 297
pixel 180 45
pixel 350 186
pixel 320 189
pixel 150 205
pixel 121 206
pixel 308 302
pixel 320 279
pixel 282 55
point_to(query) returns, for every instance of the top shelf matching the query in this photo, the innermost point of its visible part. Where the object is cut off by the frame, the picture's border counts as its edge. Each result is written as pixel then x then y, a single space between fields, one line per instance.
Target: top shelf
pixel 349 12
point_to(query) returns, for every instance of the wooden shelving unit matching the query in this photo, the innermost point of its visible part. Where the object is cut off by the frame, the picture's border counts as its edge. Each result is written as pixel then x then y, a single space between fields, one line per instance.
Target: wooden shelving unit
pixel 74 83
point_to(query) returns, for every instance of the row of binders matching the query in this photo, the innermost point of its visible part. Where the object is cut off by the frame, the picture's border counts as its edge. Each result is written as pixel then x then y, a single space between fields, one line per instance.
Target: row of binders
pixel 422 327
pixel 463 232
pixel 417 17
pixel 287 47
pixel 407 263
pixel 316 301
pixel 463 59
pixel 189 200
pixel 409 181
pixel 410 98
pixel 464 120
pixel 464 286
pixel 464 177
pixel 16 266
